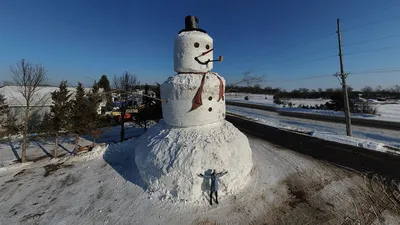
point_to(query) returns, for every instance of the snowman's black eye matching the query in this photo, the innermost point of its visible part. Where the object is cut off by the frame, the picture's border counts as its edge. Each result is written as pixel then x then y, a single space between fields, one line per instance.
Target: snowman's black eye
pixel 196 44
pixel 207 47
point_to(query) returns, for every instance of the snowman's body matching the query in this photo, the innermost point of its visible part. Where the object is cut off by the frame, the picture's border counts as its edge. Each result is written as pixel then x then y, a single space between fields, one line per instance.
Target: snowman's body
pixel 179 92
pixel 193 136
pixel 194 79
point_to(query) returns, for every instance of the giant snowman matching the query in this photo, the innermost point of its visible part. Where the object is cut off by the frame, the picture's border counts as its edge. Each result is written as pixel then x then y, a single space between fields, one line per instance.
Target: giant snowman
pixel 193 136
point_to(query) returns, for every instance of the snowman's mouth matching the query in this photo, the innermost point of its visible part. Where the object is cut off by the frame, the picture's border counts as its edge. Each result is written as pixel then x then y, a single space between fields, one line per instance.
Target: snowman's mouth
pixel 200 62
pixel 203 54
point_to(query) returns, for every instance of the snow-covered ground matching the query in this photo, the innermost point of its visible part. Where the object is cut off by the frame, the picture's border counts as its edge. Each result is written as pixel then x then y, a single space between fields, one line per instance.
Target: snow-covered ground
pixel 387 112
pixel 286 188
pixel 10 150
pixel 371 138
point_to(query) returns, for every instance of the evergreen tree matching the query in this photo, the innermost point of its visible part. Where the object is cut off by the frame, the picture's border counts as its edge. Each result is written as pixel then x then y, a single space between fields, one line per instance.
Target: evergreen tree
pixel 77 122
pixel 9 125
pixel 46 125
pixel 59 111
pixel 3 109
pixel 3 114
pixel 95 121
pixel 105 84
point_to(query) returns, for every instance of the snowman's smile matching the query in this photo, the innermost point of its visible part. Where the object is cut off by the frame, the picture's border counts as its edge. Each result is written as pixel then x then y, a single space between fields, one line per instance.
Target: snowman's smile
pixel 203 54
pixel 200 62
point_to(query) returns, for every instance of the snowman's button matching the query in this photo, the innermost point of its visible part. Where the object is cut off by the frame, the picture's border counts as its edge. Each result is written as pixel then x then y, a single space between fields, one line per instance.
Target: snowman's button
pixel 210 109
pixel 210 98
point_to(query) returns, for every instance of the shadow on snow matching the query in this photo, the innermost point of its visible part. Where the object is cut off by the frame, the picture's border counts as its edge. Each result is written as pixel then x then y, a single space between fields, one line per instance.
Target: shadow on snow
pixel 124 163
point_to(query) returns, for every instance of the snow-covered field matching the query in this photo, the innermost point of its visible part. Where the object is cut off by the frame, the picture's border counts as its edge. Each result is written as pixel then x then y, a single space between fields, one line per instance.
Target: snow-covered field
pixel 286 188
pixel 42 97
pixel 387 112
pixel 370 138
pixel 269 99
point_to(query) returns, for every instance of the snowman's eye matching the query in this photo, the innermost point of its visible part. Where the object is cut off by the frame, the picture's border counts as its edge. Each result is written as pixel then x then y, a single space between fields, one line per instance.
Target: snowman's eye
pixel 207 46
pixel 196 44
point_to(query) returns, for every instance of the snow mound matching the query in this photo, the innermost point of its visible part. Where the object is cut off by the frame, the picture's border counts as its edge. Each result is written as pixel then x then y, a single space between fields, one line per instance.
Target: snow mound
pixel 169 159
pixel 96 153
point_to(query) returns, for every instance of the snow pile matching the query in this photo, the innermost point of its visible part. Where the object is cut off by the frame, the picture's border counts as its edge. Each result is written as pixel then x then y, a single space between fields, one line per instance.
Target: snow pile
pixel 169 160
pixel 96 153
pixel 120 149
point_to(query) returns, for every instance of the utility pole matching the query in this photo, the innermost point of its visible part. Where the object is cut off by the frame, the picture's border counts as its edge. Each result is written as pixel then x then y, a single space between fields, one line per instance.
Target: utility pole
pixel 343 76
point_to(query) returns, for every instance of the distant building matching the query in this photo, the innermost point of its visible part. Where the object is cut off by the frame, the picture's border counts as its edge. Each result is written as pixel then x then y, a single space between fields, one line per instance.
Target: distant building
pixel 43 100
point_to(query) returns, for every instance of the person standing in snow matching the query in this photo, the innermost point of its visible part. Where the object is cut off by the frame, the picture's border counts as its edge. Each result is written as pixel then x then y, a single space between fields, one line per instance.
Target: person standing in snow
pixel 214 183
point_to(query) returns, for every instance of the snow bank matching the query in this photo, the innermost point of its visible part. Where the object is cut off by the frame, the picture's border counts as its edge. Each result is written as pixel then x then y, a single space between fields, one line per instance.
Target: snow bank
pixel 169 159
pixel 363 143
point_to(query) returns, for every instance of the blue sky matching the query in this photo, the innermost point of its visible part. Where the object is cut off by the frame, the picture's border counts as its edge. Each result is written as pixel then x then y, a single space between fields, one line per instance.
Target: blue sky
pixel 283 40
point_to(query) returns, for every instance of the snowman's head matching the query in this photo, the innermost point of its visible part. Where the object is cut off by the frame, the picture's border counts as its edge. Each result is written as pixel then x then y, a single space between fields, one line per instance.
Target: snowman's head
pixel 193 50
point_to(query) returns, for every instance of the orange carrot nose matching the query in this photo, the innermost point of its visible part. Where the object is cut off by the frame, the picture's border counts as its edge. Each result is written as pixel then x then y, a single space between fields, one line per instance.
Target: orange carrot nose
pixel 205 53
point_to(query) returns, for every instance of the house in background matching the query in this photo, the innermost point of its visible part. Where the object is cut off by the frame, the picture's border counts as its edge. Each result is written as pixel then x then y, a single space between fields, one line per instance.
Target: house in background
pixel 42 101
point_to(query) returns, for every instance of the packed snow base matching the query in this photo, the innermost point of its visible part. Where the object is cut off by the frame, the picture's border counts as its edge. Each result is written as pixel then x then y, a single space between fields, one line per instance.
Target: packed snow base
pixel 169 159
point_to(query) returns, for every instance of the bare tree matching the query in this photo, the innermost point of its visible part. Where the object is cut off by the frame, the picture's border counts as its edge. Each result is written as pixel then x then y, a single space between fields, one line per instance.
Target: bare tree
pixel 125 85
pixel 248 79
pixel 29 79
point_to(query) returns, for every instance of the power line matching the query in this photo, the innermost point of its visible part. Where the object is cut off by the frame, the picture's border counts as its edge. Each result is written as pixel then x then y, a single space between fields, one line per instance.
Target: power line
pixel 376 71
pixel 371 40
pixel 294 46
pixel 302 78
pixel 373 50
pixel 371 23
pixel 314 60
pixel 296 57
pixel 375 10
pixel 332 75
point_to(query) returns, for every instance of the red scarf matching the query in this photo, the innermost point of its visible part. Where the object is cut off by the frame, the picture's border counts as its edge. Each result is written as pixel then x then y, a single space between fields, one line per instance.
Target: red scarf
pixel 197 100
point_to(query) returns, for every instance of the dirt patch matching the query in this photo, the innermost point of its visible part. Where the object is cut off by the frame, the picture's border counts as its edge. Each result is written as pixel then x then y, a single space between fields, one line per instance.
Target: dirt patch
pixel 20 173
pixel 100 193
pixel 362 202
pixel 10 181
pixel 69 180
pixel 51 168
pixel 299 197
pixel 31 217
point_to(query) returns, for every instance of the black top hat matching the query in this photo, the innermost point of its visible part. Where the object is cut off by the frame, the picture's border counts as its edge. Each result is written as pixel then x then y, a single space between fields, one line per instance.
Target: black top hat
pixel 191 24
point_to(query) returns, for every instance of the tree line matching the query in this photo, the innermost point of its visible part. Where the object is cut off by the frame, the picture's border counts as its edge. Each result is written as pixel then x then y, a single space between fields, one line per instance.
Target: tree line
pixel 71 113
pixel 366 92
